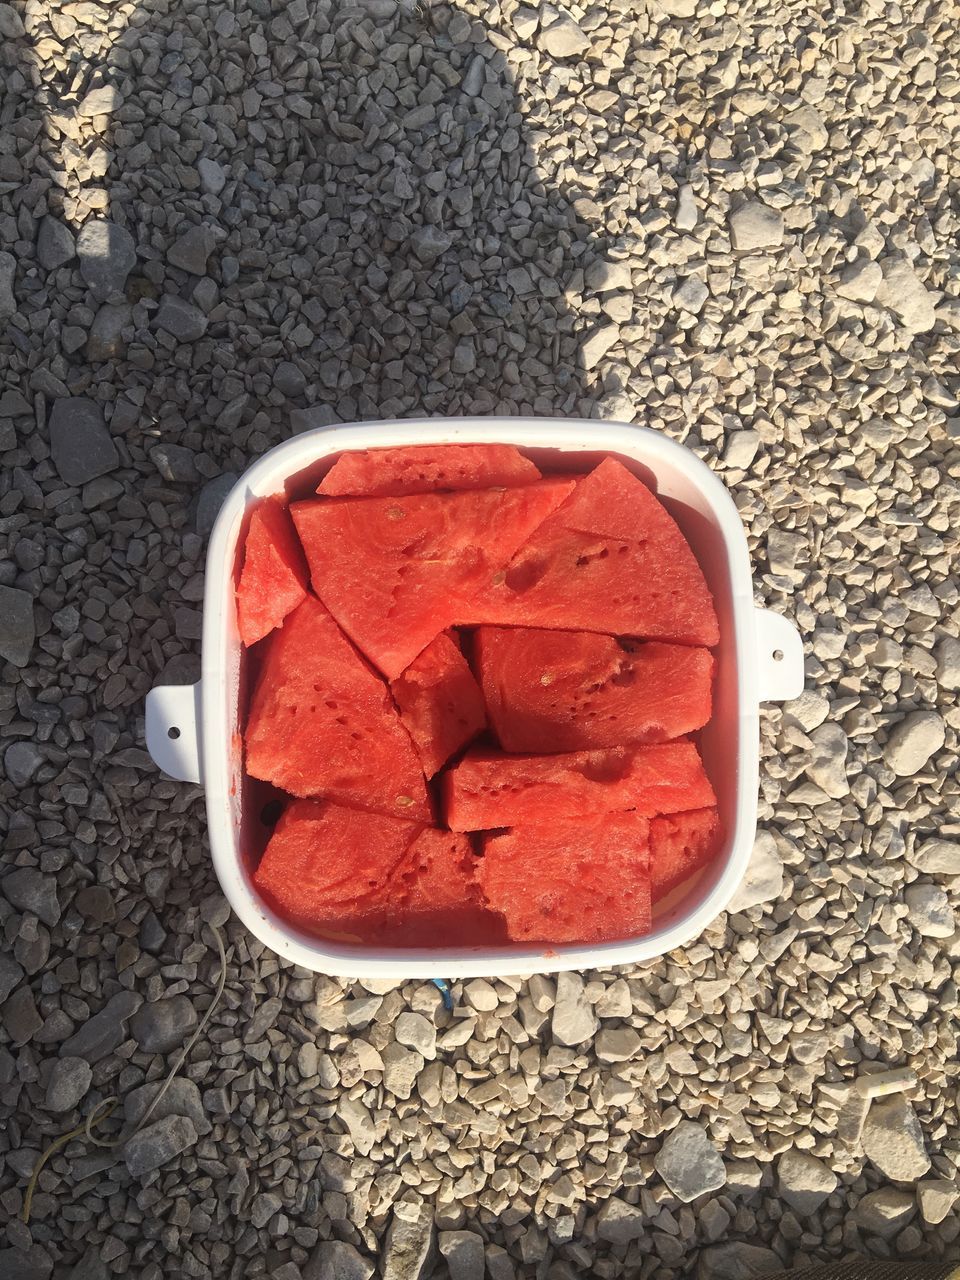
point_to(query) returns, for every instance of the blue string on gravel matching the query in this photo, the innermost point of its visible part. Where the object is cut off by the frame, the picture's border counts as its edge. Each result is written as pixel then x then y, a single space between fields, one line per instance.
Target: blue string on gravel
pixel 443 986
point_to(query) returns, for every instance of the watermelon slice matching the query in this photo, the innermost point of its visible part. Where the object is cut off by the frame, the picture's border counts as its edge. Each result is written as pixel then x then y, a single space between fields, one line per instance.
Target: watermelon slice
pixel 576 690
pixel 392 473
pixel 487 789
pixel 681 843
pixel 611 559
pixel 582 881
pixel 323 723
pixel 395 572
pixel 273 580
pixel 440 902
pixel 327 868
pixel 440 703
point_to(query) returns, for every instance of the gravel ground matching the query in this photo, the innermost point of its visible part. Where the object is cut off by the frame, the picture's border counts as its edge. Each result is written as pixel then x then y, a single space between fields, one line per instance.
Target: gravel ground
pixel 224 222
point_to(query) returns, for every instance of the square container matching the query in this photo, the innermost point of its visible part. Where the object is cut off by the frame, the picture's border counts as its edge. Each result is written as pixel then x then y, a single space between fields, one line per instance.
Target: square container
pixel 193 732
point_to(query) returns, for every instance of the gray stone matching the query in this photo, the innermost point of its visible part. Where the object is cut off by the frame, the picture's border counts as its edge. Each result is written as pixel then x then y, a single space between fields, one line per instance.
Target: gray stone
pixel 913 741
pixel 56 244
pixel 885 1212
pixel 90 1267
pixel 11 974
pixel 11 24
pixel 937 857
pixel 28 889
pixel 80 443
pixel 312 419
pixel 428 243
pixel 31 1263
pixel 69 1081
pixel 947 654
pixel 606 275
pixel 689 1163
pixel 826 765
pixel 763 881
pixel 175 463
pixel 563 38
pixel 161 1025
pixel 804 1181
pixel 737 1261
pixel 181 1098
pixel 893 1140
pixel 408 1246
pixel 741 448
pixel 211 499
pixel 213 177
pixel 936 1197
pixel 687 214
pixel 620 1223
pixel 289 379
pixel 574 1020
pixel 191 251
pixel 596 345
pixel 17 628
pixel 107 255
pixel 21 760
pixel 105 341
pixel 618 1044
pixel 463 1251
pixel 105 1031
pixel 159 1143
pixel 20 1017
pixel 101 101
pixel 809 132
pixel 417 1032
pixel 8 301
pixel 182 320
pixel 337 1260
pixel 756 226
pixel 691 295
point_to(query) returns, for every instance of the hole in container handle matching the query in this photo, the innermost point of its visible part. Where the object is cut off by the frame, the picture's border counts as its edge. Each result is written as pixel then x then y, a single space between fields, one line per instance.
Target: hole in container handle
pixel 780 657
pixel 173 730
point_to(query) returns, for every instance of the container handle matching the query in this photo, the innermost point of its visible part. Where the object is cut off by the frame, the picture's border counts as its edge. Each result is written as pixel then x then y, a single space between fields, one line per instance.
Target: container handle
pixel 173 730
pixel 779 657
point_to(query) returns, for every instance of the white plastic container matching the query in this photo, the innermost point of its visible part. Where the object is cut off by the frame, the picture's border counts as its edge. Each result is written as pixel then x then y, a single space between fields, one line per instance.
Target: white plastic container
pixel 193 731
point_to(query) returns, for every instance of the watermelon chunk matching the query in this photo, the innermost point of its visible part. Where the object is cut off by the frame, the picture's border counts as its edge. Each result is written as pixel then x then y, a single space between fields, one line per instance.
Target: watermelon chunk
pixel 611 559
pixel 322 723
pixel 487 789
pixel 680 844
pixel 576 690
pixel 440 900
pixel 582 881
pixel 440 702
pixel 273 580
pixel 327 868
pixel 392 473
pixel 395 572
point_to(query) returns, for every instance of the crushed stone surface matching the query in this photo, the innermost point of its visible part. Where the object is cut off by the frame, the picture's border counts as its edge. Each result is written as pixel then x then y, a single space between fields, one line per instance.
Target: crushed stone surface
pixel 222 223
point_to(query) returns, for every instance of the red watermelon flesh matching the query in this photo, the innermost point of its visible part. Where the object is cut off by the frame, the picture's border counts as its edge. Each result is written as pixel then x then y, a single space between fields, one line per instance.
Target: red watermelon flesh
pixel 576 690
pixel 611 559
pixel 327 868
pixel 440 702
pixel 441 903
pixel 395 572
pixel 323 723
pixel 561 882
pixel 681 843
pixel 487 789
pixel 273 580
pixel 391 473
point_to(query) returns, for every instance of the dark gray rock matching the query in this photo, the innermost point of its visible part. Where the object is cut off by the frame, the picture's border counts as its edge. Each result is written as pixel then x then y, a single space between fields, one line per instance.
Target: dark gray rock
pixel 96 903
pixel 163 1025
pixel 56 245
pixel 159 1143
pixel 81 445
pixel 10 974
pixel 107 255
pixel 182 1098
pixel 21 760
pixel 289 379
pixel 175 463
pixel 318 415
pixel 191 251
pixel 17 628
pixel 337 1260
pixel 8 271
pixel 212 497
pixel 428 243
pixel 182 320
pixel 90 1267
pixel 68 1084
pixel 105 1031
pixel 408 1247
pixel 106 334
pixel 31 1264
pixel 20 1017
pixel 28 889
